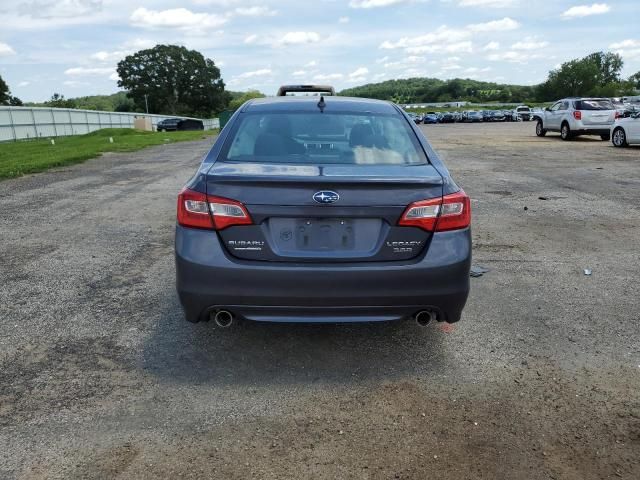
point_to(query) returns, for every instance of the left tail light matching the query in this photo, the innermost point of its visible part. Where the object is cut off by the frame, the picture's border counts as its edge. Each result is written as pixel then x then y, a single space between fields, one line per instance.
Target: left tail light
pixel 451 212
pixel 198 210
pixel 577 115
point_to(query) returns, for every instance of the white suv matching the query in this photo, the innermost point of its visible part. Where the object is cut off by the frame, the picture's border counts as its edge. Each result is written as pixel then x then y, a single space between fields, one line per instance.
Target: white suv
pixel 578 116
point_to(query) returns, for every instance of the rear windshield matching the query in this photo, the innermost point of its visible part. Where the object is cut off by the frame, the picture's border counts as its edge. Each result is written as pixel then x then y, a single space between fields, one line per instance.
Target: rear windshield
pixel 594 104
pixel 323 138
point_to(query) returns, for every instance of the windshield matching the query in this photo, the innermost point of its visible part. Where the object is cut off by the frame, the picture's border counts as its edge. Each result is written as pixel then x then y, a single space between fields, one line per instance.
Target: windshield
pixel 594 104
pixel 323 138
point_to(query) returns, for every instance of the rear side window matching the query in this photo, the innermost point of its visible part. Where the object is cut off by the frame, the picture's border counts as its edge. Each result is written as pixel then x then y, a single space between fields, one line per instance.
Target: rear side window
pixel 323 138
pixel 594 104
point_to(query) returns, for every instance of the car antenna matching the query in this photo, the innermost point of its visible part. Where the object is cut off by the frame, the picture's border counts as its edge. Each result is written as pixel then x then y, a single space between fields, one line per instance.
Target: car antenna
pixel 321 104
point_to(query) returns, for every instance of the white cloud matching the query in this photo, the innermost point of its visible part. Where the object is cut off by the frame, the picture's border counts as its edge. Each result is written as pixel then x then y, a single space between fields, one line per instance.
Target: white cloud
pixel 343 20
pixel 88 71
pixel 6 50
pixel 529 44
pixel 299 73
pixel 312 63
pixel 138 44
pixel 375 3
pixel 299 38
pixel 495 26
pixel 255 12
pixel 256 73
pixel 586 10
pixel 104 56
pixel 60 8
pixel 512 57
pixel 630 49
pixel 359 72
pixel 459 47
pixel 179 18
pixel 75 83
pixel 114 76
pixel 24 84
pixel 253 38
pixel 491 46
pixel 384 59
pixel 487 3
pixel 328 77
pixel 441 36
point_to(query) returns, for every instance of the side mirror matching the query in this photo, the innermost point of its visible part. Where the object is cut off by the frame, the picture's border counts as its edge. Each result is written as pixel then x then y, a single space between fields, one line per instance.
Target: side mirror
pixel 547 109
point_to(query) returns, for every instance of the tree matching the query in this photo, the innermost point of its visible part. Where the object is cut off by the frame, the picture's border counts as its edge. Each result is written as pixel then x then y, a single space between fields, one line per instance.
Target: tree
pixel 597 74
pixel 175 80
pixel 634 80
pixel 58 101
pixel 237 102
pixel 5 95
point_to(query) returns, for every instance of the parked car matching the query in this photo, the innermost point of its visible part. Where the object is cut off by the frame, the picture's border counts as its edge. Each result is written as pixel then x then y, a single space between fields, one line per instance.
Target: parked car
pixel 190 124
pixel 626 131
pixel 173 124
pixel 578 116
pixel 486 115
pixel 511 116
pixel 473 117
pixel 497 116
pixel 415 117
pixel 430 118
pixel 447 117
pixel 168 124
pixel 524 112
pixel 284 223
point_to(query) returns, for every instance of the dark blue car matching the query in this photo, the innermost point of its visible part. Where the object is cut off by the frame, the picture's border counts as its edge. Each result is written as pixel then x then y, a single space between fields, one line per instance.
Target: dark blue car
pixel 329 209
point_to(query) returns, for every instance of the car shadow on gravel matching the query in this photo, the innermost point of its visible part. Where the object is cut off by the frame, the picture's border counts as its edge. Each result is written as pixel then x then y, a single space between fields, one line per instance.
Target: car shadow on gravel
pixel 257 354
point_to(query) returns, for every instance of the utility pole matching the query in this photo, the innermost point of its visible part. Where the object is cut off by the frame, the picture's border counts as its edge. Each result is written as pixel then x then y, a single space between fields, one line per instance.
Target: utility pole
pixel 146 104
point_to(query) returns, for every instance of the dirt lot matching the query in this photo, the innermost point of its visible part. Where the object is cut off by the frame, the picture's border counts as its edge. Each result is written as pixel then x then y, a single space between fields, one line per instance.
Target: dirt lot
pixel 100 377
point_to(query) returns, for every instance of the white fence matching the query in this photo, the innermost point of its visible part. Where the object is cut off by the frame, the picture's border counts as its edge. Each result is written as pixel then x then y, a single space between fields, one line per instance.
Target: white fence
pixel 18 123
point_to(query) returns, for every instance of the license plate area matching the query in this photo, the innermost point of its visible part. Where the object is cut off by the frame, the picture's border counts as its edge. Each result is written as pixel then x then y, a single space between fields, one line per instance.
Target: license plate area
pixel 325 234
pixel 332 237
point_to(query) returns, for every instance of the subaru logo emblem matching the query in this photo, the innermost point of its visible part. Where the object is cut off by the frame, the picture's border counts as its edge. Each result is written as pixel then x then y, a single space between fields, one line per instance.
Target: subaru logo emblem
pixel 326 196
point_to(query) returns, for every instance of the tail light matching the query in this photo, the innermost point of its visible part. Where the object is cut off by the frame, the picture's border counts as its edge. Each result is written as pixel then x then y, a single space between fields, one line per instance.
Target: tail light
pixel 198 210
pixel 451 212
pixel 577 115
pixel 619 115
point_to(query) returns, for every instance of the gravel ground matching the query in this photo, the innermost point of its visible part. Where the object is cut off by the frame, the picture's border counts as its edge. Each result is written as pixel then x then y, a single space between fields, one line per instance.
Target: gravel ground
pixel 100 377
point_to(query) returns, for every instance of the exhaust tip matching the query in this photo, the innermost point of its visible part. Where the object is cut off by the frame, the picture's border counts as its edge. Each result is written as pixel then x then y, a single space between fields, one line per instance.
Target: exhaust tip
pixel 425 317
pixel 223 318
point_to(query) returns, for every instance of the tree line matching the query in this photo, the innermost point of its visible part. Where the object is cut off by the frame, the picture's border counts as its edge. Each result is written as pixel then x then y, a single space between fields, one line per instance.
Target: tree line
pixel 172 80
pixel 597 74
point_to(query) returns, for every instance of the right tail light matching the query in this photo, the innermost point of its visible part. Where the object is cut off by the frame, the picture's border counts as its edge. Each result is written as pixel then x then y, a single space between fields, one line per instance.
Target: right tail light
pixel 451 212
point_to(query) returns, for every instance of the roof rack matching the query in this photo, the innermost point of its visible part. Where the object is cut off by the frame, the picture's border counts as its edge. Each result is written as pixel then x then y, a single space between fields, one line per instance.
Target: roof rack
pixel 324 89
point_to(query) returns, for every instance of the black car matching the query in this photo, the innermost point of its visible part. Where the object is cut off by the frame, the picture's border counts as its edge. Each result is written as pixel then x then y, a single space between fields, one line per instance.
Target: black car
pixel 498 116
pixel 173 124
pixel 448 117
pixel 322 210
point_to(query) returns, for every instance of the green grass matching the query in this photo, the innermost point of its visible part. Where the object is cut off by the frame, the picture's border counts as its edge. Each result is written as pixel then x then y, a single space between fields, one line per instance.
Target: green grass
pixel 19 158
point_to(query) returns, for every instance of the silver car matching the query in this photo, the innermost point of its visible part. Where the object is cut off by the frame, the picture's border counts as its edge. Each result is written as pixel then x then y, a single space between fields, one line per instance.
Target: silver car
pixel 578 116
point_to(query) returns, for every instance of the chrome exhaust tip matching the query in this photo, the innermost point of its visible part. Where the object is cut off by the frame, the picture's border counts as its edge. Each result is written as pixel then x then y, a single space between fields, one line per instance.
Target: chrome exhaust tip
pixel 223 318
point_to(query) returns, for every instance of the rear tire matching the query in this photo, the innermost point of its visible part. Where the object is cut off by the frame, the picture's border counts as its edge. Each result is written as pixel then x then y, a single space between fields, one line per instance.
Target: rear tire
pixel 605 138
pixel 540 131
pixel 619 138
pixel 565 132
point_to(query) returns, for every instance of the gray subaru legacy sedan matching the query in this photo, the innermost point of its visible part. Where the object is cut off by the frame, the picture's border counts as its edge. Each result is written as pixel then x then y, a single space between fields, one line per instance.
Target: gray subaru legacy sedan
pixel 322 209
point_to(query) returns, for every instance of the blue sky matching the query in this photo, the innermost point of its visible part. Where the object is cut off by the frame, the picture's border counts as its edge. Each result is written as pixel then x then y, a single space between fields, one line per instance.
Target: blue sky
pixel 72 46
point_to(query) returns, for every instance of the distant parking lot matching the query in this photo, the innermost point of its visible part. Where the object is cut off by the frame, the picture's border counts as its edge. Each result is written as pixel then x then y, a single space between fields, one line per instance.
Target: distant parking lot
pixel 100 377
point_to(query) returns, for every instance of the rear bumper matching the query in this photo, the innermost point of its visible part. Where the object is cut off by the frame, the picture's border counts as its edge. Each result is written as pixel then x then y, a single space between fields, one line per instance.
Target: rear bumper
pixel 207 278
pixel 604 130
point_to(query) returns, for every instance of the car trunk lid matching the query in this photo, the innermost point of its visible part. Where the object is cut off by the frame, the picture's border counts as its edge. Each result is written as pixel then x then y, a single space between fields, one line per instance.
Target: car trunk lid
pixel 294 222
